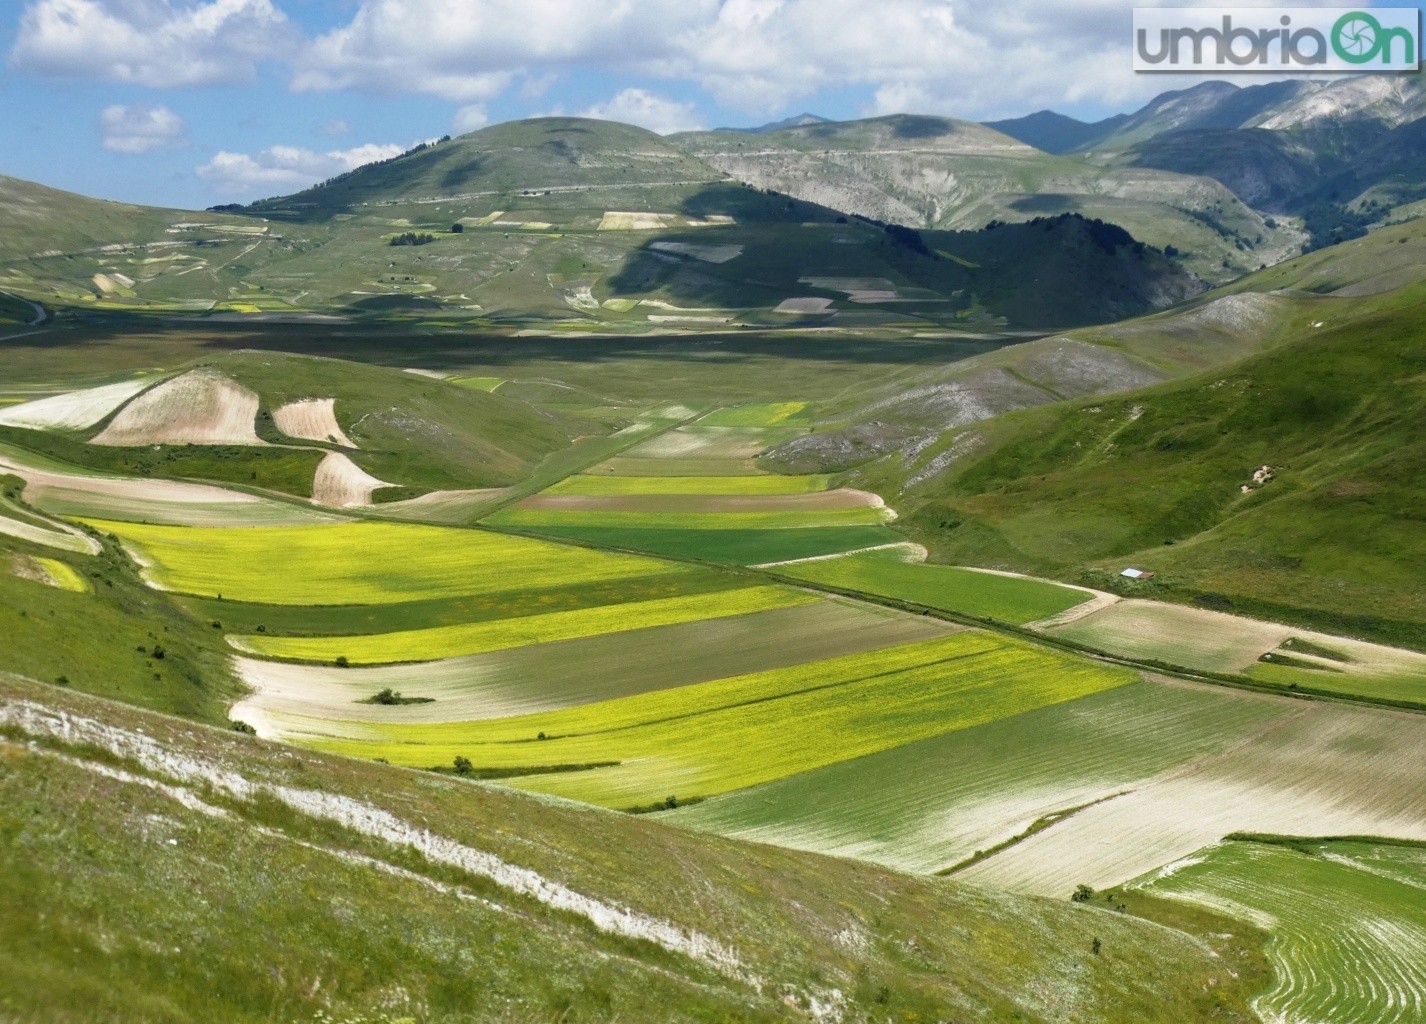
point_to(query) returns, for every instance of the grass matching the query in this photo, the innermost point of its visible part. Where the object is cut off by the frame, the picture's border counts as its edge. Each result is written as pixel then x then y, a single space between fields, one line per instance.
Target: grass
pixel 362 563
pixel 103 632
pixel 697 741
pixel 985 595
pixel 927 805
pixel 474 638
pixel 106 877
pixel 1153 479
pixel 799 519
pixel 601 485
pixel 1402 687
pixel 733 547
pixel 1346 920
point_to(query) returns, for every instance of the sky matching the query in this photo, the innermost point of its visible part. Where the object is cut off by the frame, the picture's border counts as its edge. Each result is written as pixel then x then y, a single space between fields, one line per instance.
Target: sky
pixel 191 103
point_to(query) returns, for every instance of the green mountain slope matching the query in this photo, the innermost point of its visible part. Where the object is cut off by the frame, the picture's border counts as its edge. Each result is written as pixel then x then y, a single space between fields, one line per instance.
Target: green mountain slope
pixel 159 871
pixel 1286 485
pixel 558 224
pixel 938 172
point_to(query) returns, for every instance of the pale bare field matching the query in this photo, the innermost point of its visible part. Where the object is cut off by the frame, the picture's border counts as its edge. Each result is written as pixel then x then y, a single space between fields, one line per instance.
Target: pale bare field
pixel 706 253
pixel 804 306
pixel 75 410
pixel 341 483
pixel 312 419
pixel 1218 642
pixel 446 507
pixel 702 442
pixel 1323 769
pixel 55 535
pixel 199 407
pixel 168 502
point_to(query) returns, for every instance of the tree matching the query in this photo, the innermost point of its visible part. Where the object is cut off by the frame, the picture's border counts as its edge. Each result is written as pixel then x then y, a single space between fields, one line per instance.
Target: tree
pixel 1096 946
pixel 457 228
pixel 1082 894
pixel 463 765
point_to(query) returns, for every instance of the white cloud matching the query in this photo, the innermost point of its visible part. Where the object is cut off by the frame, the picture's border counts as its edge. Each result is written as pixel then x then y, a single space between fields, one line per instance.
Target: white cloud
pixel 469 118
pixel 648 110
pixel 949 56
pixel 335 128
pixel 469 51
pixel 138 129
pixel 159 43
pixel 281 169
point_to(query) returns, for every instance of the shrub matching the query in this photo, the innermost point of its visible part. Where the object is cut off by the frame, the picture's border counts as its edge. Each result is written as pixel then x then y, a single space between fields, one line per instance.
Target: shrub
pixel 1082 894
pixel 463 765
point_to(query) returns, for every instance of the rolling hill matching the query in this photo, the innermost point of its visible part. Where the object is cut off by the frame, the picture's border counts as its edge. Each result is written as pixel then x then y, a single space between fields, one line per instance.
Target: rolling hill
pixel 565 224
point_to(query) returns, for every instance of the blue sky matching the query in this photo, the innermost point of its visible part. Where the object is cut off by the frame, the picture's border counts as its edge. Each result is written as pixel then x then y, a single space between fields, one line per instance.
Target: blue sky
pixel 195 102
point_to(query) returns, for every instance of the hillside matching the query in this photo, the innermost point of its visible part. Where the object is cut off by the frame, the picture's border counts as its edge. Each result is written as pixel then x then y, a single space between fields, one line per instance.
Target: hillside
pixel 1164 478
pixel 222 878
pixel 941 173
pixel 564 224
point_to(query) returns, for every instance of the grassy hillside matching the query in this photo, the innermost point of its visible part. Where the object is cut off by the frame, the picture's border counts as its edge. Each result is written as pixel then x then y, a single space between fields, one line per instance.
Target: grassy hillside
pixel 1164 479
pixel 207 858
pixel 941 173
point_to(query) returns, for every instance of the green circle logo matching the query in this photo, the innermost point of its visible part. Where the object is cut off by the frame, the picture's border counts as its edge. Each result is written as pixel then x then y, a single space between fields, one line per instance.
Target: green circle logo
pixel 1357 37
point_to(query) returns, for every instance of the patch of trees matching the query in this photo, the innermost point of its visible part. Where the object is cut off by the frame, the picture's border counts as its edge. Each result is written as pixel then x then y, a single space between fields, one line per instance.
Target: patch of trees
pixel 902 235
pixel 1328 223
pixel 227 208
pixel 413 238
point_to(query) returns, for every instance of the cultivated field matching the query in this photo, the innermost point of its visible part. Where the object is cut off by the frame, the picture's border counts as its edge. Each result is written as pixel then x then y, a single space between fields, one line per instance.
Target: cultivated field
pixel 198 407
pixel 1347 923
pixel 1321 769
pixel 1272 652
pixel 929 805
pixel 473 638
pixel 985 595
pixel 311 419
pixel 295 701
pixel 362 563
pixel 75 410
pixel 696 741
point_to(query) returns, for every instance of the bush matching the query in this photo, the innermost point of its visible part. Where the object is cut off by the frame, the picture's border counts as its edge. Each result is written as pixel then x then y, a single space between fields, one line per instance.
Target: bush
pixel 457 228
pixel 463 765
pixel 1082 894
pixel 413 238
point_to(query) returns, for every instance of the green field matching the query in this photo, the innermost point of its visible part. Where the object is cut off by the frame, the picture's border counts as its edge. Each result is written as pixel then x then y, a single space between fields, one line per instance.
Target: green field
pixel 362 563
pixel 1346 918
pixel 984 595
pixel 799 519
pixel 701 740
pixel 473 638
pixel 732 547
pixel 602 485
pixel 930 804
